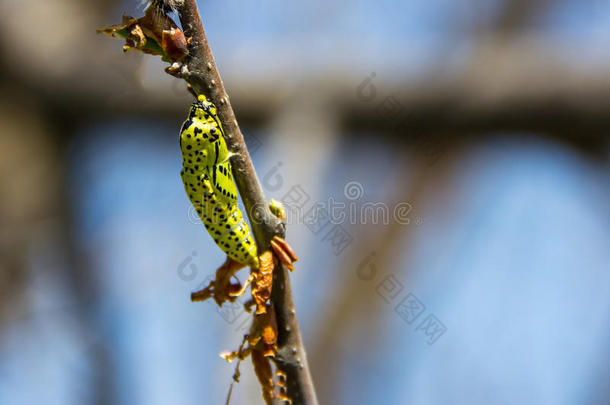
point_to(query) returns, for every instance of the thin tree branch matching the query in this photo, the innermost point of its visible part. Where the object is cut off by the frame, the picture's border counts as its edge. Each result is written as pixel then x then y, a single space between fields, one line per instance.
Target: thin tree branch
pixel 204 78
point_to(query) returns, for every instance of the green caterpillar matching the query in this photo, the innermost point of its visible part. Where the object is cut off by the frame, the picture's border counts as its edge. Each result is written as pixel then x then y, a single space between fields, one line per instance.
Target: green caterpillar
pixel 208 182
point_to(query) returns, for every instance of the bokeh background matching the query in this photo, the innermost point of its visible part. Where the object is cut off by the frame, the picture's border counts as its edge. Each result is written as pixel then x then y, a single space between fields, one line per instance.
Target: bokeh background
pixel 487 121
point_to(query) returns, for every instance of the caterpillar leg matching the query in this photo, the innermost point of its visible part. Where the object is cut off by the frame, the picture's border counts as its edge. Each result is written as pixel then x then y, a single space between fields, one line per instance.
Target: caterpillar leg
pixel 221 288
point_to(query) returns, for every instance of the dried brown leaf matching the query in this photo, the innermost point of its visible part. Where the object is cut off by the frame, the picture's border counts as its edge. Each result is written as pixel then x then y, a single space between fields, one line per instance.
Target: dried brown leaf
pixel 262 368
pixel 155 33
pixel 263 281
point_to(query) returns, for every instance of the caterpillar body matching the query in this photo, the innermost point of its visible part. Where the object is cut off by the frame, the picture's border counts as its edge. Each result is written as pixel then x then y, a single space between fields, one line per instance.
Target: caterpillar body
pixel 208 182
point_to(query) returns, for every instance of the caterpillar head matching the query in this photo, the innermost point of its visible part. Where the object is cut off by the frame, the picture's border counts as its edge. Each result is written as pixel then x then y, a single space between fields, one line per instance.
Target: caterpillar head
pixel 205 106
pixel 202 134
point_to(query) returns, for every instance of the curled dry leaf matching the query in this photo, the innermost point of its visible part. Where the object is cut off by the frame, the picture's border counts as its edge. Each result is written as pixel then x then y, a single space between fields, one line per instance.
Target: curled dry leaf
pixel 262 282
pixel 284 252
pixel 222 288
pixel 262 338
pixel 262 368
pixel 262 346
pixel 155 33
pixel 264 331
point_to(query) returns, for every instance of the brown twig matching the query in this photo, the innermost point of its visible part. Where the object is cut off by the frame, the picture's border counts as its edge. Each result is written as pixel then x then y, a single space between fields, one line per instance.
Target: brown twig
pixel 204 78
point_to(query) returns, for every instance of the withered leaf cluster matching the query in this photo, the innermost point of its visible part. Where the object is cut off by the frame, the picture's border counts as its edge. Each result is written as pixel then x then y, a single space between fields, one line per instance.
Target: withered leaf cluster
pixel 155 33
